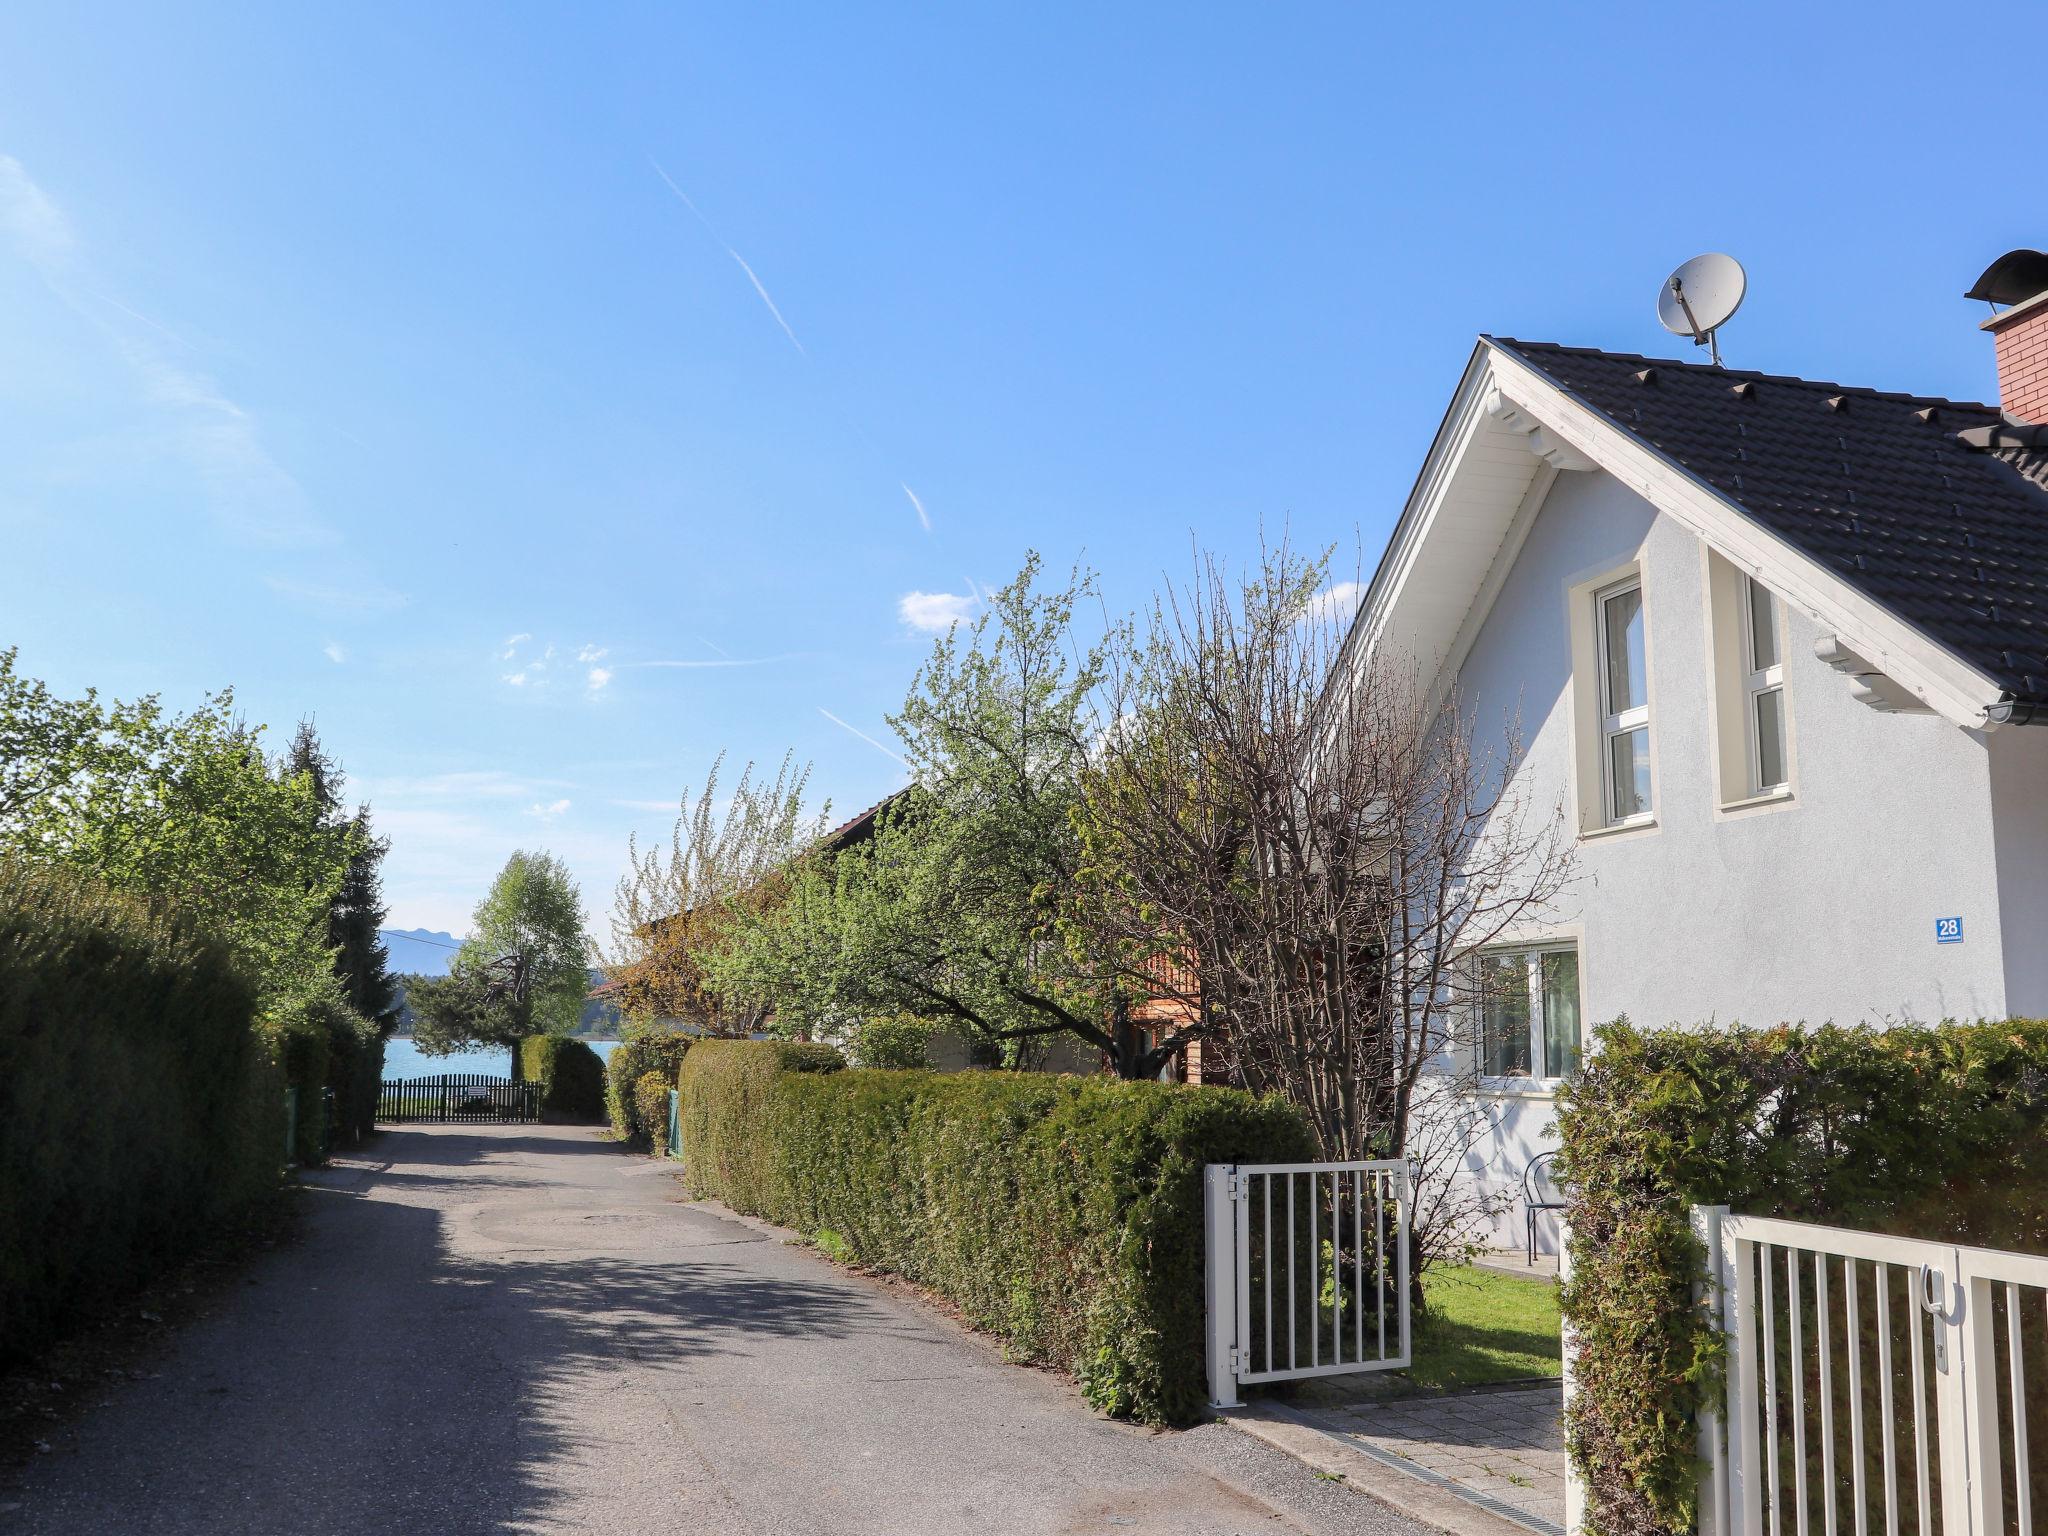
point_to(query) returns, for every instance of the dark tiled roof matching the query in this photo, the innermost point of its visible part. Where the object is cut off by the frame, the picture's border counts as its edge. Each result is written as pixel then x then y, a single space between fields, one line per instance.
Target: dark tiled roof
pixel 860 828
pixel 1874 486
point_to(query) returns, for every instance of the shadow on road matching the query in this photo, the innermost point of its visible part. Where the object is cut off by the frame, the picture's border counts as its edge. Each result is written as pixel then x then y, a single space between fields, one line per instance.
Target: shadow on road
pixel 401 1369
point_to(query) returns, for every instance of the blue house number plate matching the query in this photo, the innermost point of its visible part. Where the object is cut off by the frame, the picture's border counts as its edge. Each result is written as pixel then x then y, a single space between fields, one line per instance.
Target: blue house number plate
pixel 1948 930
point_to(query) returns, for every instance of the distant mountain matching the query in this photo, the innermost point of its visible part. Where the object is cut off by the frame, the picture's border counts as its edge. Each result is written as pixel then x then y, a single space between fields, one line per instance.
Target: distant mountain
pixel 419 951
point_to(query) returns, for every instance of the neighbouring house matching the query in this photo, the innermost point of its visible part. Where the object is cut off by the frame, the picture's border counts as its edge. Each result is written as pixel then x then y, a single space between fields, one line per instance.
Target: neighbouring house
pixel 1779 648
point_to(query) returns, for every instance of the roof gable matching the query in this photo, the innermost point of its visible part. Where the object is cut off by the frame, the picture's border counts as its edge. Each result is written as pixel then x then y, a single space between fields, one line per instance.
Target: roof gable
pixel 1926 559
pixel 1874 487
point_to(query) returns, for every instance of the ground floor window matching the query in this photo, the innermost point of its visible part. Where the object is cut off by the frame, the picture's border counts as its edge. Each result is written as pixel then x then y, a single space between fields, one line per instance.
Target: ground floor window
pixel 1529 1012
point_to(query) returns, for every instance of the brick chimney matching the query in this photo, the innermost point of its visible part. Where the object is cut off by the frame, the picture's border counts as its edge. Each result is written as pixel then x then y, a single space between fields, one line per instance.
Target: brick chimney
pixel 2019 333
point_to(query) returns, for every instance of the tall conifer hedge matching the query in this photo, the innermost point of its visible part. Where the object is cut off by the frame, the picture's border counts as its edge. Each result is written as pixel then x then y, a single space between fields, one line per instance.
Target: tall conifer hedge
pixel 139 1106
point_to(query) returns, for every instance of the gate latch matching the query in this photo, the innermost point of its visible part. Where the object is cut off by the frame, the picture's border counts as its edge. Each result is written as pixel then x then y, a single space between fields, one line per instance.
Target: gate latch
pixel 1933 1285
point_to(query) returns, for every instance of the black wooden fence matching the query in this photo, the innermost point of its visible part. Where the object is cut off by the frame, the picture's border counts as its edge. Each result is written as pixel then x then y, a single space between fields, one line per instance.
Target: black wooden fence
pixel 459 1096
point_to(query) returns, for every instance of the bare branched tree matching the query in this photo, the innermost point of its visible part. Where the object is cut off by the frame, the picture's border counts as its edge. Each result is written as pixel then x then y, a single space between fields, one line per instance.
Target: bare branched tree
pixel 728 860
pixel 1295 844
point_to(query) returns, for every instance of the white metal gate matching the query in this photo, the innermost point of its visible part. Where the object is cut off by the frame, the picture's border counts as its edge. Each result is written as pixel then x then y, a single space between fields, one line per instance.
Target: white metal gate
pixel 1307 1271
pixel 1874 1383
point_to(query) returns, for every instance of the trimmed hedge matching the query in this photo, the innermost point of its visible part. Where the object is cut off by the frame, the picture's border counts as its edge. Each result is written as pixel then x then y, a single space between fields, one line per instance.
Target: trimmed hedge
pixel 570 1074
pixel 650 1108
pixel 1925 1131
pixel 648 1050
pixel 140 1108
pixel 1062 1214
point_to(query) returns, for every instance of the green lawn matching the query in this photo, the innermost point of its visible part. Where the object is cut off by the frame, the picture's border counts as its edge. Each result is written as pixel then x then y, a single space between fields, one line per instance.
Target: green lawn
pixel 1480 1325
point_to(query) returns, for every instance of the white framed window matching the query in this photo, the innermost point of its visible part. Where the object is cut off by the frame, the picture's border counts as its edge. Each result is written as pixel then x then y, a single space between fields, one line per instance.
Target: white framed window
pixel 1529 1013
pixel 1763 689
pixel 1624 705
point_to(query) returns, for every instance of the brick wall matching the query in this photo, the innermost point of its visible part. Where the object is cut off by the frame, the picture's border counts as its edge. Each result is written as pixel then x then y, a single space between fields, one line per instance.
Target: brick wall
pixel 2021 337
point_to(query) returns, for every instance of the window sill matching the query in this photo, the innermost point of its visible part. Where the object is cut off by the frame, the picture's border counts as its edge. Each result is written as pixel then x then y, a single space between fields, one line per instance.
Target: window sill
pixel 1776 797
pixel 1619 829
pixel 1520 1087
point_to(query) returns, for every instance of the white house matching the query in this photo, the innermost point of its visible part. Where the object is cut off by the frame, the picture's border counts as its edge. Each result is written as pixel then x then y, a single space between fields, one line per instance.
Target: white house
pixel 1781 648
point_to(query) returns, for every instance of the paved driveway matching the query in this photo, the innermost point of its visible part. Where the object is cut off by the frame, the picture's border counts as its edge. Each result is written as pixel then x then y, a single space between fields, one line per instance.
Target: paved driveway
pixel 521 1329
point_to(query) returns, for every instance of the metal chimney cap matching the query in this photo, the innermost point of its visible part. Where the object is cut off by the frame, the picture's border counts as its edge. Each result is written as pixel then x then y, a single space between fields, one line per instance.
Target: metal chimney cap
pixel 2013 279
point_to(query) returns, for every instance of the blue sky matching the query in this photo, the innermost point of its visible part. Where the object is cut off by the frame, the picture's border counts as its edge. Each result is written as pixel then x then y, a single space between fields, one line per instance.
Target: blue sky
pixel 341 346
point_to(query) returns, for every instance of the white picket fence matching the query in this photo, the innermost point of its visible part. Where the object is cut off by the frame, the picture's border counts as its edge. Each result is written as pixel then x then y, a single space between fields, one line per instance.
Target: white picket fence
pixel 1307 1271
pixel 1874 1383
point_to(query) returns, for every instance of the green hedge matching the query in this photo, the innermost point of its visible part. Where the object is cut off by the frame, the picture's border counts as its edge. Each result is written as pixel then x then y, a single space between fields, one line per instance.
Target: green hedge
pixel 1062 1214
pixel 1931 1132
pixel 355 1071
pixel 650 1108
pixel 570 1074
pixel 644 1051
pixel 139 1106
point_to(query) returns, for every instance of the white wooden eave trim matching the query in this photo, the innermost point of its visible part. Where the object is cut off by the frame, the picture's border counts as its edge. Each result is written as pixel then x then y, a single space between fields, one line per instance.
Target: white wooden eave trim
pixel 1462 421
pixel 1948 685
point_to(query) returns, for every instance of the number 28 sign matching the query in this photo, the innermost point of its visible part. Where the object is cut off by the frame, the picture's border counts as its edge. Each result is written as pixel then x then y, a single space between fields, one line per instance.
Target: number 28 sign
pixel 1948 930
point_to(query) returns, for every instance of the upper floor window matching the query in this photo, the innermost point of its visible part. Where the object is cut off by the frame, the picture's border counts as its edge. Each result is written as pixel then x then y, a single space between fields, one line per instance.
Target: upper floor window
pixel 1624 704
pixel 1764 687
pixel 1529 1012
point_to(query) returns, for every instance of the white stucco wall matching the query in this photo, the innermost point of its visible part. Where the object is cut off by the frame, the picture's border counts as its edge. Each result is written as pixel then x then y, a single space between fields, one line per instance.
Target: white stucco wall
pixel 2019 809
pixel 1818 908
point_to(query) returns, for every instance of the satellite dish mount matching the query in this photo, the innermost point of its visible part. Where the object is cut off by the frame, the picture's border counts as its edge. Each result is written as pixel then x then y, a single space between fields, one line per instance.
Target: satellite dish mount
pixel 1700 297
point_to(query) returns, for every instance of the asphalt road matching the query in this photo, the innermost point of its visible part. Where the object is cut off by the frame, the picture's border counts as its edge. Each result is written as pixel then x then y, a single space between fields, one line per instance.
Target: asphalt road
pixel 524 1329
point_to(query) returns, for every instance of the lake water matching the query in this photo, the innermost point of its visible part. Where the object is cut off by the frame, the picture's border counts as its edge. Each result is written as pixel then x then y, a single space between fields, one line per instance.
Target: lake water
pixel 402 1060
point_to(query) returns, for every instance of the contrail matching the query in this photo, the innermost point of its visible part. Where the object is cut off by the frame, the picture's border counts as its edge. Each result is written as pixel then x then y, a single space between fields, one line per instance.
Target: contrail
pixel 728 661
pixel 857 731
pixel 759 287
pixel 923 516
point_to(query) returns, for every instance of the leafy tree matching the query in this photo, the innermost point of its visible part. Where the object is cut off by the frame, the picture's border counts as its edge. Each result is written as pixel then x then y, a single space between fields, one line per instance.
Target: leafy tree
pixel 950 911
pixel 188 812
pixel 181 808
pixel 678 908
pixel 522 971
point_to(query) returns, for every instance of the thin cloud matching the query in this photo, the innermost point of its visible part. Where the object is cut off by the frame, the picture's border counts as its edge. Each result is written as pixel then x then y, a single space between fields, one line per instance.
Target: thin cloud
pixel 599 676
pixel 333 651
pixel 646 805
pixel 1338 602
pixel 934 612
pixel 35 225
pixel 863 735
pixel 516 679
pixel 759 287
pixel 713 645
pixel 249 491
pixel 700 663
pixel 369 598
pixel 923 517
pixel 549 811
pixel 591 653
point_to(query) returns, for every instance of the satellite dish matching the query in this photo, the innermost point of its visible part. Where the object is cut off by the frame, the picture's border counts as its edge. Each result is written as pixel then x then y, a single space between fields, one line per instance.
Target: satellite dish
pixel 1698 299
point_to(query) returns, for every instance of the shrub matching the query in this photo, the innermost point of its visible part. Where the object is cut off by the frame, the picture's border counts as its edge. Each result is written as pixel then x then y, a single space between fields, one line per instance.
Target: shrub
pixel 355 1071
pixel 1932 1132
pixel 901 1040
pixel 571 1078
pixel 650 1108
pixel 647 1049
pixel 139 1108
pixel 1062 1214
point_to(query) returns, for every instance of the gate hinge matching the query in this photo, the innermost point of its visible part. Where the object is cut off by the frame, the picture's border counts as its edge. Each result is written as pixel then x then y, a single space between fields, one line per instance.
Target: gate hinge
pixel 1239 1364
pixel 1240 1186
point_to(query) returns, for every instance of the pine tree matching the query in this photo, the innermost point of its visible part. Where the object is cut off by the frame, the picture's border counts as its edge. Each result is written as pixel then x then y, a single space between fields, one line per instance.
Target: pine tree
pixel 354 920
